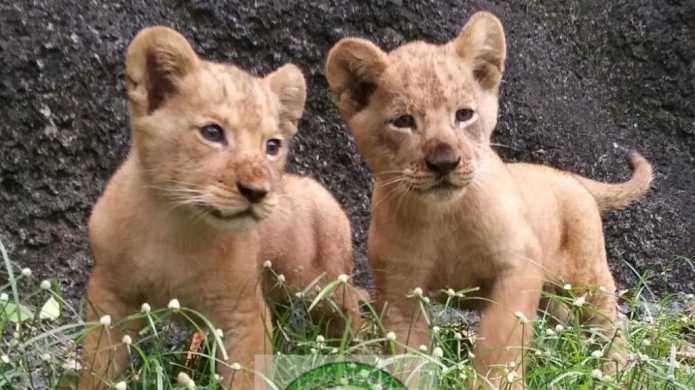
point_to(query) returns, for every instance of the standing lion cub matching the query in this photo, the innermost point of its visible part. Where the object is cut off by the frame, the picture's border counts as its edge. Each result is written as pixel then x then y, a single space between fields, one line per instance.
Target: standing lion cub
pixel 447 212
pixel 181 218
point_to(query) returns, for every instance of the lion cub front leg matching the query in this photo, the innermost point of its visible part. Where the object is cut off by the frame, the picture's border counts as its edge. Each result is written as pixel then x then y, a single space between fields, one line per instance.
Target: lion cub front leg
pixel 246 325
pixel 506 328
pixel 105 357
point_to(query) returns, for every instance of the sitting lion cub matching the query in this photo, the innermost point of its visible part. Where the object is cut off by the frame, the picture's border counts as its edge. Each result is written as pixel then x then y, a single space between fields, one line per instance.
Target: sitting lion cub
pixel 447 212
pixel 176 220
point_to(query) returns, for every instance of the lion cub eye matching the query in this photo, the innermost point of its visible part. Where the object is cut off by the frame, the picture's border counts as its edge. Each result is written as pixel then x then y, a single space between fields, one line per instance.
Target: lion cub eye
pixel 404 121
pixel 464 115
pixel 272 146
pixel 213 133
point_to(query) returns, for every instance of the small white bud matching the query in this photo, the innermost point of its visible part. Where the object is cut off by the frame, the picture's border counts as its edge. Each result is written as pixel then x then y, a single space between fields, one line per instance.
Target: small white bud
pixel 120 386
pixel 596 373
pixel 450 292
pixel 646 342
pixel 218 377
pixel 550 332
pixel 4 297
pixel 45 285
pixel 184 380
pixel 511 377
pixel 426 299
pixel 174 304
pixel 567 287
pixel 320 339
pixel 435 329
pixel 105 320
pixel 458 336
pixel 417 291
pixel 145 308
pixel 597 354
pixel 512 365
pixel 559 328
pixel 281 278
pixel 471 355
pixel 236 366
pixel 127 340
pixel 438 353
pixel 579 302
pixel 5 359
pixel 423 348
pixel 334 351
pixel 314 351
pixel 219 332
pixel 268 264
pixel 521 317
pixel 391 336
pixel 299 295
pixel 342 278
pixel 26 272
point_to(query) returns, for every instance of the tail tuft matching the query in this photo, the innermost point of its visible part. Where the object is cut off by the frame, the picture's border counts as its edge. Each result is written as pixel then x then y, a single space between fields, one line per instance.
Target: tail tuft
pixel 620 195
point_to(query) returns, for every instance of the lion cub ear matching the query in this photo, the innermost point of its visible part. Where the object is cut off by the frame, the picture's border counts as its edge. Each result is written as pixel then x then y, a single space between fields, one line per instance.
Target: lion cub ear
pixel 482 44
pixel 353 69
pixel 288 83
pixel 157 59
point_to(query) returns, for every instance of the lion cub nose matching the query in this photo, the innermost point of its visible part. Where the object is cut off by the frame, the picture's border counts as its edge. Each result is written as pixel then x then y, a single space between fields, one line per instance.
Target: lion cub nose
pixel 252 193
pixel 442 159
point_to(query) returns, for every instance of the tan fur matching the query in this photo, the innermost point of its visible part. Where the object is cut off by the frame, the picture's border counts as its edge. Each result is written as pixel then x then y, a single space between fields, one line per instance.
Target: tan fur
pixel 509 229
pixel 172 222
pixel 320 247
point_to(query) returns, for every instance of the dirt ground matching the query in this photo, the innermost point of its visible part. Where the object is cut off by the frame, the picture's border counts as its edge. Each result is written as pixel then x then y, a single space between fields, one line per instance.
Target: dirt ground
pixel 580 78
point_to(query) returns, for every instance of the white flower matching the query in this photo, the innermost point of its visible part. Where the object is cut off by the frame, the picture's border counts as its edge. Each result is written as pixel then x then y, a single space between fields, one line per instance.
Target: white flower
pixel 281 278
pixel 521 317
pixel 219 332
pixel 567 287
pixel 235 366
pixel 538 353
pixel 184 380
pixel 511 376
pixel 550 332
pixel 471 355
pixel 320 339
pixel 450 292
pixel 145 308
pixel 4 297
pixel 596 373
pixel 268 264
pixel 391 336
pixel 458 336
pixel 5 359
pixel 174 304
pixel 299 294
pixel 423 348
pixel 334 351
pixel 512 365
pixel 417 291
pixel 127 340
pixel 438 352
pixel 120 386
pixel 559 328
pixel 26 272
pixel 597 354
pixel 435 329
pixel 342 278
pixel 646 342
pixel 426 299
pixel 105 320
pixel 579 302
pixel 45 285
pixel 218 377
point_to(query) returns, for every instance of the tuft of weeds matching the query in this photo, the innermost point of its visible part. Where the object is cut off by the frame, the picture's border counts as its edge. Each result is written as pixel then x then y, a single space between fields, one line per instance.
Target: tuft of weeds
pixel 41 335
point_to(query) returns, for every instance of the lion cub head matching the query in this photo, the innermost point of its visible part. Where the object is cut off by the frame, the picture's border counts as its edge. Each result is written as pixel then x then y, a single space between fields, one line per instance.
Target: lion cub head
pixel 422 114
pixel 210 138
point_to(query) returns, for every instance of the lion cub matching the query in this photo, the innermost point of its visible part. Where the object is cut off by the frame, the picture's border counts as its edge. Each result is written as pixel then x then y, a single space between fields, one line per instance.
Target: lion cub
pixel 177 219
pixel 447 212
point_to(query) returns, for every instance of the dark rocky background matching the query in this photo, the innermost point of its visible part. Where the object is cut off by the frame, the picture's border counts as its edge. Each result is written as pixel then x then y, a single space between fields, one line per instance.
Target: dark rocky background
pixel 581 76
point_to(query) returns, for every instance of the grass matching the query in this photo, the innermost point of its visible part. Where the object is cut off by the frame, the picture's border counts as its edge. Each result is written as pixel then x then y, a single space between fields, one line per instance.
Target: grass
pixel 41 336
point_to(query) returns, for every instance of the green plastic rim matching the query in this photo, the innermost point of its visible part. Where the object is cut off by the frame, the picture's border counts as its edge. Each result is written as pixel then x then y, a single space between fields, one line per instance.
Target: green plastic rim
pixel 346 375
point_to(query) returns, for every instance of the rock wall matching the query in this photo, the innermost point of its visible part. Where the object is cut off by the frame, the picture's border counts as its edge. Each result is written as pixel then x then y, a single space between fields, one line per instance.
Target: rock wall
pixel 580 78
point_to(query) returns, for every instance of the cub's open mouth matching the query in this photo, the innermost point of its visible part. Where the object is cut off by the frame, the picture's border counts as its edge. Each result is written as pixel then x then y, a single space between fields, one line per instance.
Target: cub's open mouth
pixel 216 213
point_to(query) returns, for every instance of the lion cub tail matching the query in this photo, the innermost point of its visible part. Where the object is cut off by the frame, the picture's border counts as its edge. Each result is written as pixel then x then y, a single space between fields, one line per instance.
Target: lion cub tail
pixel 620 195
